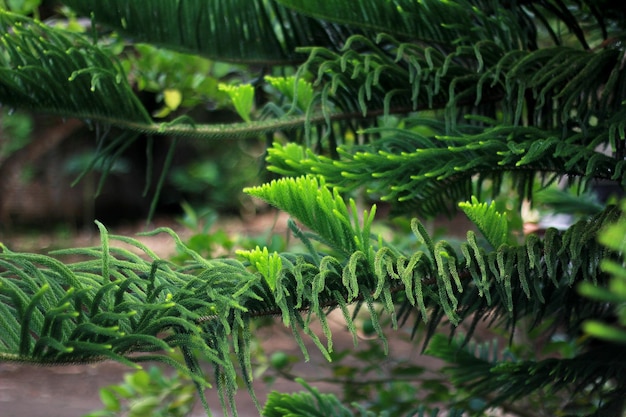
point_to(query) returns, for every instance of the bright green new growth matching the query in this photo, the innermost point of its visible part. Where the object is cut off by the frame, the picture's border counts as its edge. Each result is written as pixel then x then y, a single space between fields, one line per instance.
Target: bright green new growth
pixel 296 90
pixel 268 265
pixel 242 97
pixel 321 209
pixel 492 224
pixel 613 237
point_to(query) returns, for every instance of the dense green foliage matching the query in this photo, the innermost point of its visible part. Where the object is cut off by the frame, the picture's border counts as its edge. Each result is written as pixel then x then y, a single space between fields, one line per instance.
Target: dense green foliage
pixel 420 104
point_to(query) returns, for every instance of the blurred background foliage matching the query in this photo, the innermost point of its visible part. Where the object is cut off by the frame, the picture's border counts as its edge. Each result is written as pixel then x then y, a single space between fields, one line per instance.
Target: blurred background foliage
pixel 170 84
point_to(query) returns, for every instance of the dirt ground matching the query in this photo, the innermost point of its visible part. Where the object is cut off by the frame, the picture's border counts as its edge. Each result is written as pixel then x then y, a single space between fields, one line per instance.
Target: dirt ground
pixel 72 391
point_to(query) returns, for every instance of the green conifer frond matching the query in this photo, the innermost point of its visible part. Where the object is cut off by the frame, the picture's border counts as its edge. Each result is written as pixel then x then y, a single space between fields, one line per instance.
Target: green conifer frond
pixel 370 76
pixel 462 284
pixel 320 209
pixel 387 75
pixel 66 314
pixel 551 88
pixel 613 237
pixel 297 90
pixel 259 31
pixel 312 403
pixel 269 265
pixel 56 71
pixel 509 378
pixel 242 97
pixel 443 170
pixel 114 303
pixel 458 284
pixel 455 22
pixel 492 224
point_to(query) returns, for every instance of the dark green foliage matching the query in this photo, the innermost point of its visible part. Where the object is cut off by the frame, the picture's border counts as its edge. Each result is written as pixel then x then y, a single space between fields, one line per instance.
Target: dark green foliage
pixel 509 378
pixel 259 31
pixel 68 314
pixel 613 237
pixel 312 403
pixel 61 72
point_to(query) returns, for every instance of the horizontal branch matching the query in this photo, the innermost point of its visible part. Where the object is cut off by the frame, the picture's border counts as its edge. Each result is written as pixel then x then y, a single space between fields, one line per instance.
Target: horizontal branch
pixel 253 129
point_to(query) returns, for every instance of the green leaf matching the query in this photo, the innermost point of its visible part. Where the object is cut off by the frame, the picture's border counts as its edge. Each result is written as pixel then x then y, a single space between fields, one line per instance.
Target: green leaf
pixel 310 403
pixel 110 400
pixel 139 380
pixel 604 331
pixel 423 20
pixel 143 407
pixel 242 97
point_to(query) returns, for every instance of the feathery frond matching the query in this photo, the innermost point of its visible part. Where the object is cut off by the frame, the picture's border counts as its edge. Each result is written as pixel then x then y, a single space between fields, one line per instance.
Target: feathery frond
pixel 430 21
pixel 613 237
pixel 319 209
pixel 312 403
pixel 113 303
pixel 257 32
pixel 116 303
pixel 509 378
pixel 56 71
pixel 438 170
pixel 492 224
